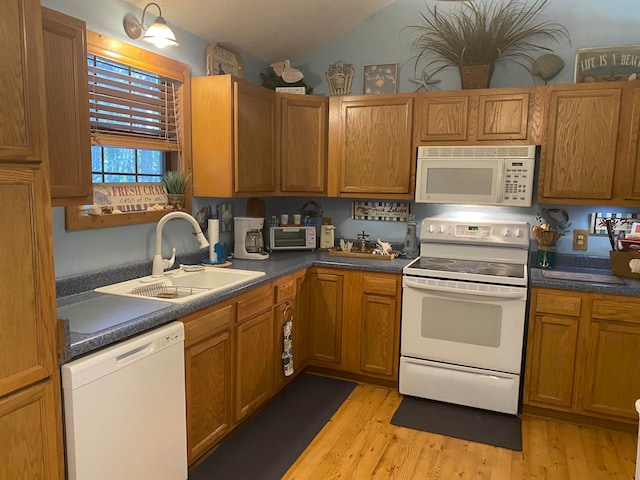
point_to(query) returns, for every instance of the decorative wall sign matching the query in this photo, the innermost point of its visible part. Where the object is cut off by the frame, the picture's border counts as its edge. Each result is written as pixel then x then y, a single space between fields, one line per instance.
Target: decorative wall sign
pixel 607 64
pixel 221 60
pixel 130 197
pixel 294 90
pixel 621 222
pixel 388 211
pixel 379 78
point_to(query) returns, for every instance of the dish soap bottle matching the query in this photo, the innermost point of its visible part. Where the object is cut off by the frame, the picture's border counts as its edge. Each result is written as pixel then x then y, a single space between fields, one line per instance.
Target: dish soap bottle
pixel 411 239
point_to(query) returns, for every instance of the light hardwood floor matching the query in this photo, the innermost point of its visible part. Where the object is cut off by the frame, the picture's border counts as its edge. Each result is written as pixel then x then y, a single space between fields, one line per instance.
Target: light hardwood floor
pixel 360 443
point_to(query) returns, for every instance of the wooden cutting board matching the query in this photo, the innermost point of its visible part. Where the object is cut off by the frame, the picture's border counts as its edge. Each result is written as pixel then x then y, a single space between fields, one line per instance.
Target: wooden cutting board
pixel 255 207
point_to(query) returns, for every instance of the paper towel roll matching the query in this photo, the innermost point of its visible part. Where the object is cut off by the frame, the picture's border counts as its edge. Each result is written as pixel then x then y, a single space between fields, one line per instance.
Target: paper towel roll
pixel 214 238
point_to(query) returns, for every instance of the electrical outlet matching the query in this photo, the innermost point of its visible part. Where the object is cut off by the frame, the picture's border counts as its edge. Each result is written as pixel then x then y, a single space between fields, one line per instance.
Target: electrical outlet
pixel 580 239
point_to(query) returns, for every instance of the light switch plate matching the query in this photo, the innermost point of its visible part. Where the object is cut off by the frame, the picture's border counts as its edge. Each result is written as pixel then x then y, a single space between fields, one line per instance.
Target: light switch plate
pixel 580 239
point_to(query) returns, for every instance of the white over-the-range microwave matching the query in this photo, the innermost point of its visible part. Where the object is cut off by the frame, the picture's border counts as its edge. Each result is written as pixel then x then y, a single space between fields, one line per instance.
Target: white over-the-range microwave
pixel 476 175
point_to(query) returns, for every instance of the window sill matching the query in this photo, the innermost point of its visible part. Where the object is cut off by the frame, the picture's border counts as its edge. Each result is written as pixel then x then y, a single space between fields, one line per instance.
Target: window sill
pixel 74 221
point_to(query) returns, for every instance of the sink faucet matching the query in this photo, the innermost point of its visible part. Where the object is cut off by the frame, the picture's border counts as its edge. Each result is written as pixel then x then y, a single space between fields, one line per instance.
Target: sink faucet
pixel 160 264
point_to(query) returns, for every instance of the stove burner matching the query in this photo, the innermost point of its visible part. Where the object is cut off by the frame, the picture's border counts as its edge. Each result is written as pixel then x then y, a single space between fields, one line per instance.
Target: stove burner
pixel 441 260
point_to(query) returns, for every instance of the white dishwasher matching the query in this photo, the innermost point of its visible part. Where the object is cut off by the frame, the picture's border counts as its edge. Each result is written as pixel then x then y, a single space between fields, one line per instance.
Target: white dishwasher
pixel 125 412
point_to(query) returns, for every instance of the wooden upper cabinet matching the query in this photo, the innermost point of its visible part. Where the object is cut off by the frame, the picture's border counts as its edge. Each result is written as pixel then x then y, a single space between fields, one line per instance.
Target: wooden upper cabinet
pixel 508 115
pixel 302 146
pixel 27 315
pixel 21 95
pixel 442 117
pixel 67 94
pixel 579 157
pixel 629 174
pixel 370 150
pixel 234 140
pixel 503 116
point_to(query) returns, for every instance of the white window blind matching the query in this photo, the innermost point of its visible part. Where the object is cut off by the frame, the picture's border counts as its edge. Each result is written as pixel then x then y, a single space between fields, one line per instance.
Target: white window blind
pixel 129 106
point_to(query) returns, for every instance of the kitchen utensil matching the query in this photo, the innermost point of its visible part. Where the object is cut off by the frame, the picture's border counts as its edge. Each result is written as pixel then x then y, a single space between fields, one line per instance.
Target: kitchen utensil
pixel 610 233
pixel 255 207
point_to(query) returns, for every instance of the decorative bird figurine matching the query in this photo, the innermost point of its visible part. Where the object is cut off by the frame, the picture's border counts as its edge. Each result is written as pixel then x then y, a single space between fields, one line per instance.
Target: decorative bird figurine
pixel 287 72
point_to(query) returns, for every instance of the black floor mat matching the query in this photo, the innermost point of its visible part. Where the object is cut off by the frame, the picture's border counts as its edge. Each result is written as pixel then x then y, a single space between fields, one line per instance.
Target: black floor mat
pixel 271 442
pixel 482 426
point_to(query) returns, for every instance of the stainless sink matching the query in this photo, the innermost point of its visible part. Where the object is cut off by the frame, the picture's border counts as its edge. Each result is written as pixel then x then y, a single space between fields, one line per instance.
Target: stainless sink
pixel 178 286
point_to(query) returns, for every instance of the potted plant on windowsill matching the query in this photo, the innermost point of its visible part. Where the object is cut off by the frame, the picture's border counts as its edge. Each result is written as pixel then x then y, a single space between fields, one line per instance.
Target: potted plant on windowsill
pixel 475 35
pixel 176 182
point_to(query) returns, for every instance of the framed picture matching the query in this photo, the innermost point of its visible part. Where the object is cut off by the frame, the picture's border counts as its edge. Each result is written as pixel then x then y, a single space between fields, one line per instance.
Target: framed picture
pixel 607 64
pixel 221 61
pixel 378 79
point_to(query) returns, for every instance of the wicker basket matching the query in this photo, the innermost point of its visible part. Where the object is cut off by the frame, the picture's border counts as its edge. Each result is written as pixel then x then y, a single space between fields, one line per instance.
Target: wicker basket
pixel 476 75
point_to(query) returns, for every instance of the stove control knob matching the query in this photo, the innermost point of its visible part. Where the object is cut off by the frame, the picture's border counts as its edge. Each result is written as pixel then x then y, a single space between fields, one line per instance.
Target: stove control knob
pixel 507 232
pixel 518 233
pixel 432 228
pixel 443 229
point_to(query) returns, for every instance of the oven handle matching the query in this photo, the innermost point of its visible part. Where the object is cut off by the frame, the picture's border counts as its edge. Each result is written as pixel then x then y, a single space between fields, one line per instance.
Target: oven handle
pixel 515 294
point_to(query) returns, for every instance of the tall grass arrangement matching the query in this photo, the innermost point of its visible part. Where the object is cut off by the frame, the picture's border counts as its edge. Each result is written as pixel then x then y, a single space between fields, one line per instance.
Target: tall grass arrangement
pixel 176 181
pixel 484 32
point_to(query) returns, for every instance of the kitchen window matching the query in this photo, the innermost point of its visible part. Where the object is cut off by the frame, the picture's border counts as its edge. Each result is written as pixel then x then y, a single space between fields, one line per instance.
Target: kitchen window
pixel 138 103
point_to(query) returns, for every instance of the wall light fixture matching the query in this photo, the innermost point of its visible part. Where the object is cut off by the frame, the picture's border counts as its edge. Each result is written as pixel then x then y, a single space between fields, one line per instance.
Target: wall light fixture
pixel 159 34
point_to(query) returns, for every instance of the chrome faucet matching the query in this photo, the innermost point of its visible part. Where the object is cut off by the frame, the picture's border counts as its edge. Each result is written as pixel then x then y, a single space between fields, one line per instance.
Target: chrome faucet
pixel 160 264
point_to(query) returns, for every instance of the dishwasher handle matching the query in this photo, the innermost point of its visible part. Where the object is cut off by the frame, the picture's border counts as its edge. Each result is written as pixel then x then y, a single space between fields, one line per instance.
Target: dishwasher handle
pixel 135 354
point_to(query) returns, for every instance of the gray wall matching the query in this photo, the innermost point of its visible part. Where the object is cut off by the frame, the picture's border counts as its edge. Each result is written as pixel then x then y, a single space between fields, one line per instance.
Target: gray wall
pixel 380 39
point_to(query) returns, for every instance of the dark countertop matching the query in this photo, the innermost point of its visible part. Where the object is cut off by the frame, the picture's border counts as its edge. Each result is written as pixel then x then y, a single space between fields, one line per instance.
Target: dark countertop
pixel 79 288
pixel 586 265
pixel 628 286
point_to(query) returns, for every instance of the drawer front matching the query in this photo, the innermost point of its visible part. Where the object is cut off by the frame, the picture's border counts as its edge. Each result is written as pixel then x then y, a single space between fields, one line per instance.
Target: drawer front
pixel 622 309
pixel 208 324
pixel 381 285
pixel 558 304
pixel 255 302
pixel 285 290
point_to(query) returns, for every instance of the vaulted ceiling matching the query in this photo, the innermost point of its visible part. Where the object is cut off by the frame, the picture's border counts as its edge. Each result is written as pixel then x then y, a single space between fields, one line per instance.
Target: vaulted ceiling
pixel 269 30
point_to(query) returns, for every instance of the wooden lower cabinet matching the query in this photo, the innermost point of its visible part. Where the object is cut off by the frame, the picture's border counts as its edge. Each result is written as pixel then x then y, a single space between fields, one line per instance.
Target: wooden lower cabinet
pixel 361 335
pixel 28 433
pixel 286 308
pixel 583 354
pixel 323 296
pixel 208 362
pixel 254 371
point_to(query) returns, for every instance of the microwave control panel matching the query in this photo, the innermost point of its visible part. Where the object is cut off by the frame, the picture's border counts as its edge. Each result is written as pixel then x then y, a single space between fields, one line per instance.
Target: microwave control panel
pixel 517 182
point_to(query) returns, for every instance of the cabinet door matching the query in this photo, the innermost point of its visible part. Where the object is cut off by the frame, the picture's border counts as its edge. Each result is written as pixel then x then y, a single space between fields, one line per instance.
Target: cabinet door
pixel 552 351
pixel 324 302
pixel 27 316
pixel 610 381
pixel 503 116
pixel 374 150
pixel 442 117
pixel 208 384
pixel 303 144
pixel 379 351
pixel 67 91
pixel 579 157
pixel 28 433
pixel 254 372
pixel 630 173
pixel 21 96
pixel 254 139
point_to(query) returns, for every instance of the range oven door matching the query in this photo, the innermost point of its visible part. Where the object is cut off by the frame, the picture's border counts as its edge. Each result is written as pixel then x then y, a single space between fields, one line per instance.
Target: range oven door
pixel 463 323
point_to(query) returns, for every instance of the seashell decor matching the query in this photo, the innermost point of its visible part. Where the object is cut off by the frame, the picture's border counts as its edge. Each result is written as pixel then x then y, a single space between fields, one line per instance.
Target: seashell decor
pixel 547 66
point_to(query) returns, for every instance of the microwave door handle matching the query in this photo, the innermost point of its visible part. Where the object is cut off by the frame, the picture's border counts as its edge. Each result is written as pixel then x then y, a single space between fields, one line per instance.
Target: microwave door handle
pixel 409 283
pixel 500 186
